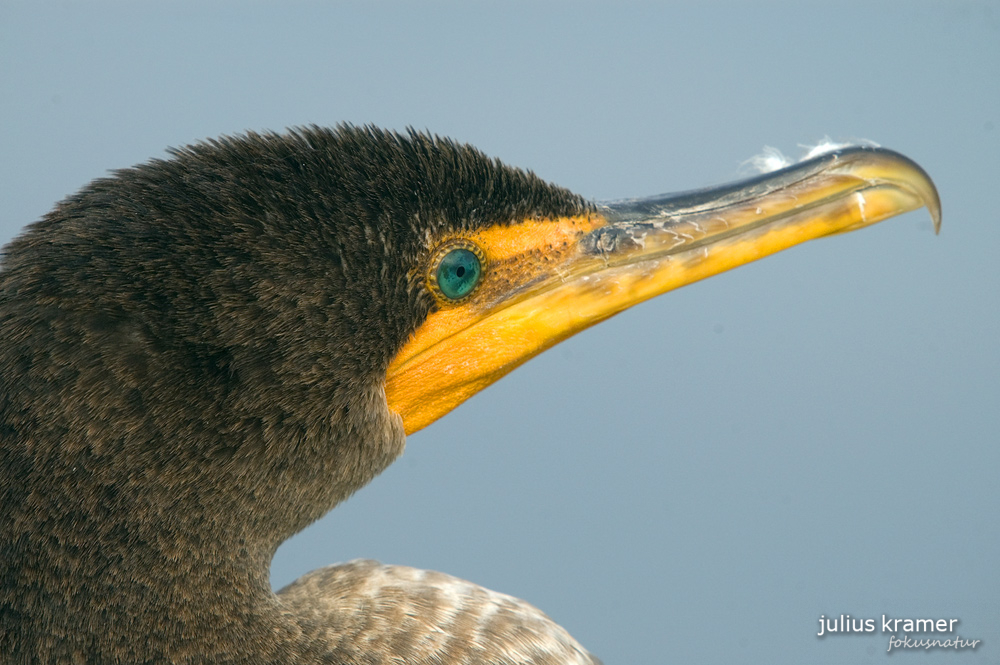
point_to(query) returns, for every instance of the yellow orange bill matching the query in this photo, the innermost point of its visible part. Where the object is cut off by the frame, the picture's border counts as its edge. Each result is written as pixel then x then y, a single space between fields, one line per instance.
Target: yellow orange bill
pixel 545 280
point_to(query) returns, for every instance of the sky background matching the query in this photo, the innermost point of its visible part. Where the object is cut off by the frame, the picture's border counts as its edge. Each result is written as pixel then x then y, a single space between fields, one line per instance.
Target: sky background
pixel 702 477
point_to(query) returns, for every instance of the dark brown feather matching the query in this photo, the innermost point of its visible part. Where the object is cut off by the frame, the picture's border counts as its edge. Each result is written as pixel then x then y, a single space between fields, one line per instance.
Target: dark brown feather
pixel 191 368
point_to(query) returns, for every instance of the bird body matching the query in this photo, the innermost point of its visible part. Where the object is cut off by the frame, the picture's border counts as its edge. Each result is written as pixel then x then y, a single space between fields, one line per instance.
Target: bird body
pixel 202 355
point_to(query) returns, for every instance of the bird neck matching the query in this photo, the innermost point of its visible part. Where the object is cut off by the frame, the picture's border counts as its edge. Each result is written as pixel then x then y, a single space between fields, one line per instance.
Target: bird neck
pixel 168 553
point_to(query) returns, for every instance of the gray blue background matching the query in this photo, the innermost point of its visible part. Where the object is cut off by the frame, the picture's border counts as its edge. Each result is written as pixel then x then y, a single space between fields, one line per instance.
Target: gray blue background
pixel 702 477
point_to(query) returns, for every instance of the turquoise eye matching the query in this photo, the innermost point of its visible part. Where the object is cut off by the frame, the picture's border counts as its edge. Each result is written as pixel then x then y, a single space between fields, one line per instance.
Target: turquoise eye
pixel 456 271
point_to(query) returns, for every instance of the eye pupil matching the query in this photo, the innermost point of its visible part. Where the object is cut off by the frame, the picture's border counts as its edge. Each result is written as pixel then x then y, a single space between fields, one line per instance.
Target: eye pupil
pixel 458 273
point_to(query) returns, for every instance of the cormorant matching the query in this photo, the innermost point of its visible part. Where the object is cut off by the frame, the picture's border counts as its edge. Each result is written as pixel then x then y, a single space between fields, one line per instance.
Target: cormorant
pixel 201 355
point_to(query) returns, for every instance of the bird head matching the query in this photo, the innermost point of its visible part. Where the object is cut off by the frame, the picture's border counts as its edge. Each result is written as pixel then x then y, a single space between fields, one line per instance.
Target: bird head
pixel 271 313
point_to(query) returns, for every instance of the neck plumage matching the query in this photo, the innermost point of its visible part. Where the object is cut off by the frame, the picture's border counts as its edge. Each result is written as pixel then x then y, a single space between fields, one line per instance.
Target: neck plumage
pixel 139 520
